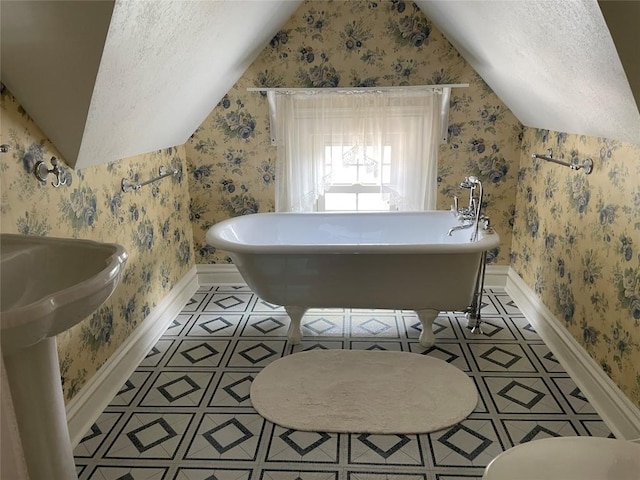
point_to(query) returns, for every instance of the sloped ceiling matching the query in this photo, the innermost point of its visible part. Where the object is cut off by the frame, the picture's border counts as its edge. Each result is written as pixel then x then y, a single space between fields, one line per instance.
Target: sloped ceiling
pixel 553 63
pixel 112 79
pixel 622 18
pixel 50 54
pixel 106 80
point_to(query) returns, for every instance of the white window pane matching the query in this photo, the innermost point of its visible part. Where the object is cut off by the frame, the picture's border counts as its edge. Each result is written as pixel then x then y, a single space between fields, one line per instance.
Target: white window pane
pixel 386 174
pixel 386 155
pixel 368 174
pixel 333 157
pixel 372 152
pixel 344 175
pixel 340 201
pixel 371 201
pixel 351 165
pixel 333 152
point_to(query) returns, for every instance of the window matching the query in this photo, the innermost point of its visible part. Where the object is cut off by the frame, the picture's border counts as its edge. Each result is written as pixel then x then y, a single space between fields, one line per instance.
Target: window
pixel 357 174
pixel 369 150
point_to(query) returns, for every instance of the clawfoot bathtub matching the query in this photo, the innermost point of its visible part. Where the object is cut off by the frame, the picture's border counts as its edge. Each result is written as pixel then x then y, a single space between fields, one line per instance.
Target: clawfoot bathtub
pixel 382 260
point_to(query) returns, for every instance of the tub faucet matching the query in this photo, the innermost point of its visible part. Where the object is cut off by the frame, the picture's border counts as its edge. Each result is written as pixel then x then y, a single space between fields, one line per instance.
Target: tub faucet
pixel 470 216
pixel 460 227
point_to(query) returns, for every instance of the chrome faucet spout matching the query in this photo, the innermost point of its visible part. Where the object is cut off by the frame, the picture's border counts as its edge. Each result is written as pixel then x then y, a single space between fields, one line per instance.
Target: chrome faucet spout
pixel 459 227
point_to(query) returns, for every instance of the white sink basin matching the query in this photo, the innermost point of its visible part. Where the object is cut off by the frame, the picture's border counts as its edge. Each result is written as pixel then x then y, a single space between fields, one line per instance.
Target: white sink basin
pixel 568 458
pixel 47 285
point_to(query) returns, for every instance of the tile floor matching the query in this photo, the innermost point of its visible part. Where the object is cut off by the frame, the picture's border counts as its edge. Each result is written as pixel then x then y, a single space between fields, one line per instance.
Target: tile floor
pixel 185 413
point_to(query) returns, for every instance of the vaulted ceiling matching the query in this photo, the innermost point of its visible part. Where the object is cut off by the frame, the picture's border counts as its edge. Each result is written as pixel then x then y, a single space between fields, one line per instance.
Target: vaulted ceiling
pixel 553 63
pixel 110 79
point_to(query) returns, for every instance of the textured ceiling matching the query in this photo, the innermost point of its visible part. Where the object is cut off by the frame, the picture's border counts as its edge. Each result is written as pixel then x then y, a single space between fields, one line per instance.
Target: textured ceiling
pixel 553 63
pixel 165 65
pixel 161 70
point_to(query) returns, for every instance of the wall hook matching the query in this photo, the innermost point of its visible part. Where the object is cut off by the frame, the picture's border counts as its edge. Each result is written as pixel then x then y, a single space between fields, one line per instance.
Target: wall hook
pixel 42 172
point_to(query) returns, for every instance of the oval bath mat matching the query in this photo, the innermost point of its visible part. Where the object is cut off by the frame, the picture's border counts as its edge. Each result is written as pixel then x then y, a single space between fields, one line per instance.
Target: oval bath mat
pixel 361 391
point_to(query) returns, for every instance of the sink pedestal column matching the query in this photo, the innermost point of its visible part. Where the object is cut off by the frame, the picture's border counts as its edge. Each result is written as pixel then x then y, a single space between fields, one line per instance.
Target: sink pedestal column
pixel 34 378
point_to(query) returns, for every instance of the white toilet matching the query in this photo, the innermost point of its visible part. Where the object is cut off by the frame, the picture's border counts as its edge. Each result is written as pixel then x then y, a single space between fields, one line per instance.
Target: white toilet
pixel 568 458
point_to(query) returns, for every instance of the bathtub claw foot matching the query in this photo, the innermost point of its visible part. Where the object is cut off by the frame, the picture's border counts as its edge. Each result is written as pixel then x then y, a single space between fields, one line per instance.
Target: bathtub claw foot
pixel 294 334
pixel 474 323
pixel 477 330
pixel 427 317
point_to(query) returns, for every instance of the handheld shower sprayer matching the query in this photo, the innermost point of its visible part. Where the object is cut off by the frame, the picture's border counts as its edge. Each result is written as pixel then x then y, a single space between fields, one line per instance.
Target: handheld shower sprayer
pixel 470 182
pixel 471 215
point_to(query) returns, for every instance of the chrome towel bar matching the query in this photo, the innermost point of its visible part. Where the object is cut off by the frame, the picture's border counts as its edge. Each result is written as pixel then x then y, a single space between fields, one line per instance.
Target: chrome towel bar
pixel 128 185
pixel 586 165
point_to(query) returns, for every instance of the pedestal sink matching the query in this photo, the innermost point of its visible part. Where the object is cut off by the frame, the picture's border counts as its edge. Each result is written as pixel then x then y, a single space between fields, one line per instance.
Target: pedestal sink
pixel 47 285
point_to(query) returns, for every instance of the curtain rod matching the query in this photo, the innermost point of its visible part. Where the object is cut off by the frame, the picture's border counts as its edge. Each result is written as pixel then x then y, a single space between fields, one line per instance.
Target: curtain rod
pixel 357 89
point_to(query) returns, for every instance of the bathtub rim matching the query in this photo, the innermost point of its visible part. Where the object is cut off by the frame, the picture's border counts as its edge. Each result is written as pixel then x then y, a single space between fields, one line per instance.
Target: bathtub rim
pixel 485 242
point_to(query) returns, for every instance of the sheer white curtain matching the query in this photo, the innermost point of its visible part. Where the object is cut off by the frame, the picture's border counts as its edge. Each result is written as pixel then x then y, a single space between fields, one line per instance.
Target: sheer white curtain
pixel 359 127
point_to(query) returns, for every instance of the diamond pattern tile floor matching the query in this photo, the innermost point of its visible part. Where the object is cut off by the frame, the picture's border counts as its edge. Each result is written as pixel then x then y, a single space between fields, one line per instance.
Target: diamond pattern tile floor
pixel 185 413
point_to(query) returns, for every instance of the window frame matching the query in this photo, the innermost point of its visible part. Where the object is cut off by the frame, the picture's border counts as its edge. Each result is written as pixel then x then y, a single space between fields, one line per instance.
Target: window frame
pixel 359 187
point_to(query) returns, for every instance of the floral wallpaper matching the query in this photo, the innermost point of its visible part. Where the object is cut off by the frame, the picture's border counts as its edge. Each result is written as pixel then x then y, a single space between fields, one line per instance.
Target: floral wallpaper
pixel 151 223
pixel 231 163
pixel 576 243
pixel 574 239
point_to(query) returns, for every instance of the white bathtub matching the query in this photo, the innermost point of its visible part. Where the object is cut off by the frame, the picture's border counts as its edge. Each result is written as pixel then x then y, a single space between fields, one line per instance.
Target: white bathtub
pixel 386 260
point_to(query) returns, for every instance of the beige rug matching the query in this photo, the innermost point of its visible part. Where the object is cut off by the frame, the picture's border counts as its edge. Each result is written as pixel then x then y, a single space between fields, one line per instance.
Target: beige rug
pixel 363 392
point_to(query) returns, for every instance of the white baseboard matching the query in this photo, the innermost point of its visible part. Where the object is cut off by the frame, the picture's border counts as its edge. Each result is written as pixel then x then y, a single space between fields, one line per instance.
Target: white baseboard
pixel 218 274
pixel 613 406
pixel 225 273
pixel 84 409
pixel 495 276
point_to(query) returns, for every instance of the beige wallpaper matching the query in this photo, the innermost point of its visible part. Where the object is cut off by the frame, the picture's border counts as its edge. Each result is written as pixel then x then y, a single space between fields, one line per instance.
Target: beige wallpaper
pixel 356 43
pixel 151 223
pixel 576 243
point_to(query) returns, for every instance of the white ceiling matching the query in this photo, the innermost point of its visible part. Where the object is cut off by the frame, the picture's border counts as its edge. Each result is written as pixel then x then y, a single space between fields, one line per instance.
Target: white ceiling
pixel 552 62
pixel 53 75
pixel 165 65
